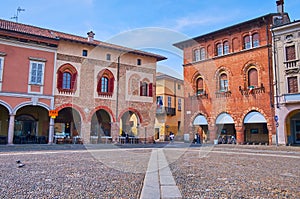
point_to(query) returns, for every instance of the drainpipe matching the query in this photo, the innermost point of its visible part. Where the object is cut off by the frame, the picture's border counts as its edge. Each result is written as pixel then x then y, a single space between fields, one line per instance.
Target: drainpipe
pixel 117 96
pixel 275 70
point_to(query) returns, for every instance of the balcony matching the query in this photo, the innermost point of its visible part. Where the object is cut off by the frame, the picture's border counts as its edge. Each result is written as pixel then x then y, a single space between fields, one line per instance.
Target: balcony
pixel 166 110
pixel 292 67
pixel 252 90
pixel 221 94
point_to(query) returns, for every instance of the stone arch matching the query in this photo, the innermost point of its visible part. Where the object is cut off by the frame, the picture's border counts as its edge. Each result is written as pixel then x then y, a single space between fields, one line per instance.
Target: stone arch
pixel 77 108
pixel 7 106
pixel 107 109
pixel 29 103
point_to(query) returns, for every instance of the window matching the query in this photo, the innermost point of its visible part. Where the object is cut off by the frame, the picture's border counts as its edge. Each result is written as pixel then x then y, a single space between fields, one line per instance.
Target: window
pixel 290 53
pixel 255 38
pixel 252 77
pixel 108 57
pixel 223 82
pixel 202 53
pixel 139 62
pixel 146 89
pixel 169 102
pixel 1 67
pixel 292 84
pixel 105 83
pixel 84 53
pixel 179 104
pixel 36 72
pixel 247 43
pixel 199 86
pixel 219 49
pixel 178 86
pixel 226 47
pixel 66 79
pixel 197 55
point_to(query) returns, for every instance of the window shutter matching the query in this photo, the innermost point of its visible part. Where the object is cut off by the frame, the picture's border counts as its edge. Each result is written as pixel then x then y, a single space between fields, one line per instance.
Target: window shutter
pixel 59 79
pixel 290 53
pixel 150 90
pixel 252 77
pixel 99 85
pixel 141 88
pixel 73 82
pixel 111 85
pixel 292 84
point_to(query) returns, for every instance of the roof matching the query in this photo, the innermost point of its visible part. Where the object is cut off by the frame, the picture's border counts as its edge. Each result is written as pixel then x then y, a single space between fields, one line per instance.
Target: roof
pixel 52 34
pixel 160 75
pixel 226 29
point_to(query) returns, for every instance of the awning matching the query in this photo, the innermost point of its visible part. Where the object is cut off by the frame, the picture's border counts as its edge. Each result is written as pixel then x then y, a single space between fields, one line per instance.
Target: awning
pixel 200 120
pixel 254 117
pixel 224 118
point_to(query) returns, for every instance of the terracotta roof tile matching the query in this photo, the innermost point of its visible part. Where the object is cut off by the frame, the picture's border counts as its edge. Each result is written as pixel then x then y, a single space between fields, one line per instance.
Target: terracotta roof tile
pixel 52 34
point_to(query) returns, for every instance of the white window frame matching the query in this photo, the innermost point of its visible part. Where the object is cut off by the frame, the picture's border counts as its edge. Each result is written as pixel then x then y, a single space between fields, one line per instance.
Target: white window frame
pixel 179 104
pixel 30 73
pixel 1 68
pixel 197 55
pixel 169 102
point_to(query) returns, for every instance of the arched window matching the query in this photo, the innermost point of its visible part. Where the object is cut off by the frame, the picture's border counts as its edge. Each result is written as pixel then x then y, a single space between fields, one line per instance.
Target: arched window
pixel 105 83
pixel 226 47
pixel 247 43
pixel 146 89
pixel 219 49
pixel 253 78
pixel 255 40
pixel 197 55
pixel 202 53
pixel 223 81
pixel 66 79
pixel 199 86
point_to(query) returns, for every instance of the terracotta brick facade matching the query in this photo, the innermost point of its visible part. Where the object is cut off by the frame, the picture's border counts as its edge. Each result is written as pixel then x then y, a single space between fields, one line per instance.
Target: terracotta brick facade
pixel 239 98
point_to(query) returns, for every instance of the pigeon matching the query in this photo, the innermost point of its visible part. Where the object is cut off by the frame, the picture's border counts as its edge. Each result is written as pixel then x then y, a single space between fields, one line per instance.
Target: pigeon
pixel 21 165
pixel 18 161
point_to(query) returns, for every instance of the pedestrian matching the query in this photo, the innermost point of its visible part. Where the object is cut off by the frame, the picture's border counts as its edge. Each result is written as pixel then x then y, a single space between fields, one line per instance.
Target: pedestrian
pixel 172 136
pixel 198 139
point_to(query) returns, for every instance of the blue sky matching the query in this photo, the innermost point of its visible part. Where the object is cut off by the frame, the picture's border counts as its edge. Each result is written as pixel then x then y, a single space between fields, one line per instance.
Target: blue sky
pixel 147 25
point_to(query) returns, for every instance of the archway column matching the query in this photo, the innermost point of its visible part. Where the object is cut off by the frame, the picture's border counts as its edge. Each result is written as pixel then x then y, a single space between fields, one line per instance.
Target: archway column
pixel 115 128
pixel 11 128
pixel 212 132
pixel 240 134
pixel 51 131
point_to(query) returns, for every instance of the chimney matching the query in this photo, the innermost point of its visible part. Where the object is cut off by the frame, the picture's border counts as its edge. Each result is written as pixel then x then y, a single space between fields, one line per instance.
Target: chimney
pixel 280 6
pixel 91 36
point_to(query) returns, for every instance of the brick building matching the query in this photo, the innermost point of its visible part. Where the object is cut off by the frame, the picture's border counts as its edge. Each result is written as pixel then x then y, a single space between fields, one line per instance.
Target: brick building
pixel 103 90
pixel 286 44
pixel 170 107
pixel 100 90
pixel 228 82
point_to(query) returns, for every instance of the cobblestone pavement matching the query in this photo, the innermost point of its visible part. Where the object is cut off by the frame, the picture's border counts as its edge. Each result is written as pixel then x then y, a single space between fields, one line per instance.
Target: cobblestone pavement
pixel 238 172
pixel 110 172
